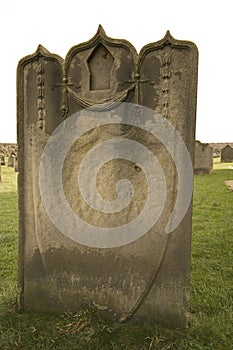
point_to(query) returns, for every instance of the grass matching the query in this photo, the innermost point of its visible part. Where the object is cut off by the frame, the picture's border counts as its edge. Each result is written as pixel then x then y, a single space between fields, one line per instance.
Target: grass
pixel 211 285
pixel 218 165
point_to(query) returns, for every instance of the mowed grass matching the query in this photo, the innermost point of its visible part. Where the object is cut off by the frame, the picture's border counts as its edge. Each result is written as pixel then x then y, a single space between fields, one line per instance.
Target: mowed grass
pixel 211 285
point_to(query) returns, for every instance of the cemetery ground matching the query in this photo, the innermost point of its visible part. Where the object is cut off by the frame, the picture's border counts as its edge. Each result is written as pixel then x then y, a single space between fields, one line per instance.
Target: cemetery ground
pixel 211 285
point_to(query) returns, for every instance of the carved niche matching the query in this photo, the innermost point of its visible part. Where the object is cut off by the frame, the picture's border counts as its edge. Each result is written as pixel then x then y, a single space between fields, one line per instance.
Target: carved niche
pixel 100 65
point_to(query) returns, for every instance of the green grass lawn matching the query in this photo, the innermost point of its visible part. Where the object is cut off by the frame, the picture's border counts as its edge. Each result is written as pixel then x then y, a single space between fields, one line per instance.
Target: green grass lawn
pixel 211 285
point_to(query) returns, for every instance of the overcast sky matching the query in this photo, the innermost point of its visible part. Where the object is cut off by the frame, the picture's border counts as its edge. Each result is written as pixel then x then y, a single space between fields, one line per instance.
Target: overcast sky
pixel 59 25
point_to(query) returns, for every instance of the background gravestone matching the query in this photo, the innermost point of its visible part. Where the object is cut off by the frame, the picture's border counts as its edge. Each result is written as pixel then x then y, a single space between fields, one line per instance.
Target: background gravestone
pixel 3 161
pixel 203 162
pixel 227 154
pixel 217 147
pixel 11 161
pixel 216 152
pixel 147 279
pixel 8 148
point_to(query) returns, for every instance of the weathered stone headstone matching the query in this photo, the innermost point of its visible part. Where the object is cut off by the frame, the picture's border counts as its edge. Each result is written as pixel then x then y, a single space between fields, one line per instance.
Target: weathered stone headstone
pixel 73 253
pixel 3 162
pixel 203 162
pixel 227 154
pixel 216 152
pixel 11 161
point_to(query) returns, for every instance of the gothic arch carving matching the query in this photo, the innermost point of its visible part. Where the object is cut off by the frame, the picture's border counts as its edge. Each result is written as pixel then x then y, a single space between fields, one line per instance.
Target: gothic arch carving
pixel 100 64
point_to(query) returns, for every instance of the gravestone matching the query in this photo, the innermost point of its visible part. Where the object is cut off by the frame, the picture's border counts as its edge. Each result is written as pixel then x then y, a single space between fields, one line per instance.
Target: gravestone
pixel 227 154
pixel 82 125
pixel 3 162
pixel 203 162
pixel 216 152
pixel 11 161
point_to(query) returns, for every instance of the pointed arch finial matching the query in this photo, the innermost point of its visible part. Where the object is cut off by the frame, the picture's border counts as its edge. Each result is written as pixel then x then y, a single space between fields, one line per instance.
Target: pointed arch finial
pixel 168 36
pixel 101 30
pixel 42 50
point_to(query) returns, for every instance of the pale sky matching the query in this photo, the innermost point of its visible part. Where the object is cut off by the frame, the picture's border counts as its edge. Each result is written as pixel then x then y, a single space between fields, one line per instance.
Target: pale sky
pixel 59 25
